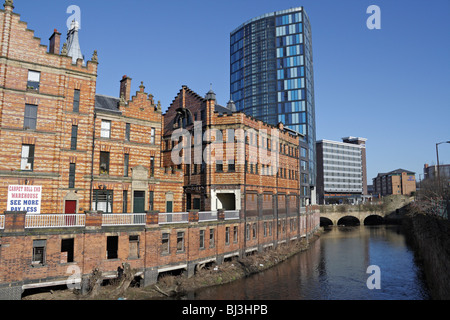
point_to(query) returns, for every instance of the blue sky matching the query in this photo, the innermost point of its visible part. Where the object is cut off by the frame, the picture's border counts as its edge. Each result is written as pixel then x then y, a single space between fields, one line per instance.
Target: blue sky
pixel 391 86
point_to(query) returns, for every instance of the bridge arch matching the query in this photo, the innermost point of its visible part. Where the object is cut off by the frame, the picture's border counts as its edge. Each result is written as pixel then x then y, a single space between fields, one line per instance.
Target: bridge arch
pixel 349 221
pixel 325 222
pixel 373 219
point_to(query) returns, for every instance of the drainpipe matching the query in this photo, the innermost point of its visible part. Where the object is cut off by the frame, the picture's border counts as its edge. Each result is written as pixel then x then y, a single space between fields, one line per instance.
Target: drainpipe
pixel 92 164
pixel 245 190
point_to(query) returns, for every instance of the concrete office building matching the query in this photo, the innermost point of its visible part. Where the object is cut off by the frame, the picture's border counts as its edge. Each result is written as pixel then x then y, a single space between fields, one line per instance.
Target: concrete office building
pixel 341 171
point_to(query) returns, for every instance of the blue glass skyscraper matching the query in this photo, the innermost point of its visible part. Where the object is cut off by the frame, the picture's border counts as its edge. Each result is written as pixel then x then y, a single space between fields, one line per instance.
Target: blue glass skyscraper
pixel 271 73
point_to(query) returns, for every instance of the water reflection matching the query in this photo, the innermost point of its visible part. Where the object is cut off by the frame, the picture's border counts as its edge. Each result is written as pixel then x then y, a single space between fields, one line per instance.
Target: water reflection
pixel 335 268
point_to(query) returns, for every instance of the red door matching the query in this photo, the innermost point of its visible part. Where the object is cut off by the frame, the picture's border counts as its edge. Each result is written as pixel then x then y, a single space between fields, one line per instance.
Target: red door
pixel 71 207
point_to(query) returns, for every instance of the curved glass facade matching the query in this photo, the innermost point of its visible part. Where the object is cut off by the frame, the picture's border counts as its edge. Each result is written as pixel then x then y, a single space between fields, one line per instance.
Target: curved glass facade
pixel 271 73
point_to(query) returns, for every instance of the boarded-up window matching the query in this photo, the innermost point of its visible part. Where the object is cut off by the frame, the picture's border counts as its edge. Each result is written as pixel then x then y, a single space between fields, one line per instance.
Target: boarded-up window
pixel 134 247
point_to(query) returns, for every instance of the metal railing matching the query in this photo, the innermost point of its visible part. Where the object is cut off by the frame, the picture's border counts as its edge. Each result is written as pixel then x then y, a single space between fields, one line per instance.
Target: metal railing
pixel 231 214
pixel 2 222
pixel 207 216
pixel 124 219
pixel 54 220
pixel 175 217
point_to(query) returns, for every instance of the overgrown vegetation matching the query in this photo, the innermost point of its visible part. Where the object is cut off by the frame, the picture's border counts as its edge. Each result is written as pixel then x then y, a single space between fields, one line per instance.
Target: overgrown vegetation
pixel 433 198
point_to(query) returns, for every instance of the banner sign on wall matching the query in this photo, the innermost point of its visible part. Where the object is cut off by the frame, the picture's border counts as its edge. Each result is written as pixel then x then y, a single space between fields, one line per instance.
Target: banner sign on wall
pixel 24 198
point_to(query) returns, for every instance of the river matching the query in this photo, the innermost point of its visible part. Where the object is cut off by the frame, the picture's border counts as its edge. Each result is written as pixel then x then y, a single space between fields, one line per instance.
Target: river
pixel 336 268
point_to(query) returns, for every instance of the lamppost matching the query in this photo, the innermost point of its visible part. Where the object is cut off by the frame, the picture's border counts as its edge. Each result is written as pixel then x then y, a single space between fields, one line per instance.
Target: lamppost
pixel 437 167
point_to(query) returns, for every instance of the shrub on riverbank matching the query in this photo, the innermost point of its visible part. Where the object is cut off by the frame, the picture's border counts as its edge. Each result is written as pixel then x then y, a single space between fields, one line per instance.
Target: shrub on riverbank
pixel 430 236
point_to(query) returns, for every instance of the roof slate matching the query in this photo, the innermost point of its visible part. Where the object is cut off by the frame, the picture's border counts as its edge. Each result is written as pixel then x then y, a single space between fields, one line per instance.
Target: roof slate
pixel 107 103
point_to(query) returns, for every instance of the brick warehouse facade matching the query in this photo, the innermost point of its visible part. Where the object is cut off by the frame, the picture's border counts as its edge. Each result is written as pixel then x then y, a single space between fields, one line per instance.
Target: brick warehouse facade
pixel 105 163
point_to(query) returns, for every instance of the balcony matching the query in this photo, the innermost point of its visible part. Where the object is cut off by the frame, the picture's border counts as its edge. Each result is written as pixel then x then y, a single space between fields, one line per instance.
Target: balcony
pixel 177 217
pixel 54 221
pixel 42 221
pixel 124 219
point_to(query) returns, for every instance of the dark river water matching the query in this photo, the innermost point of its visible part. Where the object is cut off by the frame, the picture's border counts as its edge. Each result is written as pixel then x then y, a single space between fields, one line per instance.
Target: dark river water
pixel 336 268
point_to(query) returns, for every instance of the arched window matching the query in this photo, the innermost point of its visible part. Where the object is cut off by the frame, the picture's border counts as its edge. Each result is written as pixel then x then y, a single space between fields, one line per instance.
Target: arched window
pixel 183 118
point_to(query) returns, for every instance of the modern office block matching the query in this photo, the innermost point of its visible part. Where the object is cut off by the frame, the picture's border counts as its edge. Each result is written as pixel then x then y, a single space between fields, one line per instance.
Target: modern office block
pixel 341 171
pixel 271 73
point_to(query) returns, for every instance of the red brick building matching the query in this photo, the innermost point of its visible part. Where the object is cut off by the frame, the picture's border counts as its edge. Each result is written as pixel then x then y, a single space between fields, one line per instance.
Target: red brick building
pixel 230 160
pixel 110 191
pixel 56 133
pixel 44 100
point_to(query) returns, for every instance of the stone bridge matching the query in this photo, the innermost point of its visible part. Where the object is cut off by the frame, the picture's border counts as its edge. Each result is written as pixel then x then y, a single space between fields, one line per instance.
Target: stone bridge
pixel 335 218
pixel 390 209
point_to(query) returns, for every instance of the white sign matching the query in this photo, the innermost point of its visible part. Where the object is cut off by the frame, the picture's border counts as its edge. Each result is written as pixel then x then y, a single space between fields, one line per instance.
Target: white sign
pixel 24 198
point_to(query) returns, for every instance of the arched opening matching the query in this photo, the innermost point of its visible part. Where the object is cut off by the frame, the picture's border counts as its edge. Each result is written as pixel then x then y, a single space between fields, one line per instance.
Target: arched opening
pixel 348 221
pixel 373 220
pixel 325 222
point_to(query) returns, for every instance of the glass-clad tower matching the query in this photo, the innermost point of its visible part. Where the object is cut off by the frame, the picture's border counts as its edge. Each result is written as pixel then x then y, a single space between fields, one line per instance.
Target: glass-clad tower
pixel 271 73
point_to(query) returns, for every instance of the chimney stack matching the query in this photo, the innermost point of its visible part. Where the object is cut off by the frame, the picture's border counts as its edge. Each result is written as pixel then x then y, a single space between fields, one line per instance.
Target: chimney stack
pixel 55 42
pixel 125 87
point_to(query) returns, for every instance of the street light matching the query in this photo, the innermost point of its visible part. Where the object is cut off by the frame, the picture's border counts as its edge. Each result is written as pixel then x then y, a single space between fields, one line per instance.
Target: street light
pixel 437 156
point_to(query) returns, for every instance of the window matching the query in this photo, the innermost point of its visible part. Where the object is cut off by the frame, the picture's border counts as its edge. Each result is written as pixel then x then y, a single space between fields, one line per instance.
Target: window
pixel 125 201
pixel 73 138
pixel 67 246
pixel 103 200
pixel 152 166
pixel 231 166
pixel 152 136
pixel 134 247
pixel 219 166
pixel 112 246
pixel 39 247
pixel 230 135
pixel 126 161
pixel 151 196
pixel 211 238
pixel 235 234
pixel 254 231
pixel 180 241
pixel 265 229
pixel 72 175
pixel 30 118
pixel 76 100
pixel 127 131
pixel 165 243
pixel 104 162
pixel 202 239
pixel 247 232
pixel 227 235
pixel 169 202
pixel 34 78
pixel 27 161
pixel 105 131
pixel 197 203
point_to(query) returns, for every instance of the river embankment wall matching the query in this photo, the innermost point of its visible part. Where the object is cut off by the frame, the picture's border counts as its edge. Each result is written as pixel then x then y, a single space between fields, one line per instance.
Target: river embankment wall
pixel 430 238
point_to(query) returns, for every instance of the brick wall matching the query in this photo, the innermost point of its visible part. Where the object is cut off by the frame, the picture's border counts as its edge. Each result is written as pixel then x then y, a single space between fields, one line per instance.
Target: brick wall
pixel 91 245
